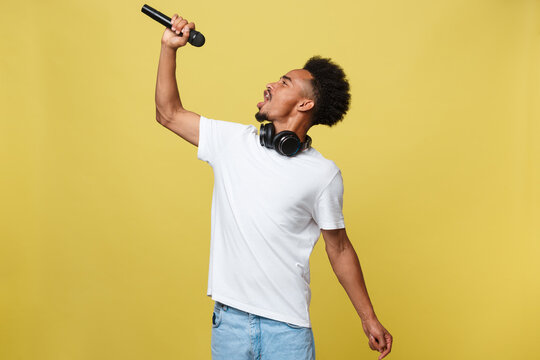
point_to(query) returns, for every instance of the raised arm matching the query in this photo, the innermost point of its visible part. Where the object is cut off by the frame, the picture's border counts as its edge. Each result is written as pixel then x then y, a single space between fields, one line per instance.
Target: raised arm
pixel 169 109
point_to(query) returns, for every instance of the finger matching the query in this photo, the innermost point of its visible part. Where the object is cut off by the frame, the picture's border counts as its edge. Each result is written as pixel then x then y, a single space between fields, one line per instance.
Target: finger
pixel 372 343
pixel 388 346
pixel 376 342
pixel 175 23
pixel 191 26
pixel 381 340
pixel 185 32
pixel 174 19
pixel 389 342
pixel 178 26
pixel 384 353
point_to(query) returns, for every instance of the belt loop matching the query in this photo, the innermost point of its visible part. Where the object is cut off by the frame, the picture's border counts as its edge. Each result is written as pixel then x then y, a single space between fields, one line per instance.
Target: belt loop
pixel 221 305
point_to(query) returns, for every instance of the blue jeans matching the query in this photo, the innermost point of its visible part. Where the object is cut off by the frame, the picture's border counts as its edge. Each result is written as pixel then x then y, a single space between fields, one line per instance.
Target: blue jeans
pixel 239 335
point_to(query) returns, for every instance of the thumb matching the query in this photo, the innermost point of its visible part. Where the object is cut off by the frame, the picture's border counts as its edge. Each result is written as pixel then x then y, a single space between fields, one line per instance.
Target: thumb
pixel 373 343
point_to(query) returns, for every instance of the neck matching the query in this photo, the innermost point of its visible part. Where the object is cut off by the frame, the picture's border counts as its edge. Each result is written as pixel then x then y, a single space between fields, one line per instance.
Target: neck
pixel 299 126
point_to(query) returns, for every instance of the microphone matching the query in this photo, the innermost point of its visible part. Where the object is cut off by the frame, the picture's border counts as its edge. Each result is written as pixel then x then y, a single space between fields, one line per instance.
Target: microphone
pixel 195 37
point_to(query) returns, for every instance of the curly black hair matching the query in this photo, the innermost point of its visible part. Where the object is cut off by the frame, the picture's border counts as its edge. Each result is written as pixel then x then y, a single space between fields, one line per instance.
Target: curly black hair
pixel 330 89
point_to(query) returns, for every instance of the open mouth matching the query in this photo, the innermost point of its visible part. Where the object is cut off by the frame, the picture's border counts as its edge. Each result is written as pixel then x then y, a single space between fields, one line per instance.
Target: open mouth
pixel 267 97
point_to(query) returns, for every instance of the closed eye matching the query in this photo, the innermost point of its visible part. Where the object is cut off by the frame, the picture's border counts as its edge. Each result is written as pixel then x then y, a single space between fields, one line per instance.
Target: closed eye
pixel 285 77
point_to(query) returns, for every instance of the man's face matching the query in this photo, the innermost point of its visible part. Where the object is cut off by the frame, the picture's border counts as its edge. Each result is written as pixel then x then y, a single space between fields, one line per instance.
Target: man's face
pixel 282 97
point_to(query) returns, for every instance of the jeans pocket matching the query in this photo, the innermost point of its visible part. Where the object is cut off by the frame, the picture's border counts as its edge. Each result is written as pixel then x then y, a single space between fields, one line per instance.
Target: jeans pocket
pixel 216 317
pixel 294 326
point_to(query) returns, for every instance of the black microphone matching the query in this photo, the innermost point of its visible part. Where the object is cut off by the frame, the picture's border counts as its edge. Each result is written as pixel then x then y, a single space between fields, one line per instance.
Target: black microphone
pixel 195 37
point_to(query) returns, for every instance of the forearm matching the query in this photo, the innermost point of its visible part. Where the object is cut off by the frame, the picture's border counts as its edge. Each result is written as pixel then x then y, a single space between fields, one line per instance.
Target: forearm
pixel 347 268
pixel 167 96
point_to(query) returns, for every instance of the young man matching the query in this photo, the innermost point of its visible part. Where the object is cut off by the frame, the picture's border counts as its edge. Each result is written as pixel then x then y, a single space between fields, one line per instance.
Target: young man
pixel 273 196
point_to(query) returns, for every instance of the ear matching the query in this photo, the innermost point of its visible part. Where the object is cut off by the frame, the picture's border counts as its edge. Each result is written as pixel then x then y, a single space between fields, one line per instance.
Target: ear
pixel 305 105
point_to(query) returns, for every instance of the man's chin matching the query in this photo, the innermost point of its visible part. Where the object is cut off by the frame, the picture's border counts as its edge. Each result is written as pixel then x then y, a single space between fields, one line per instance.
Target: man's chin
pixel 260 116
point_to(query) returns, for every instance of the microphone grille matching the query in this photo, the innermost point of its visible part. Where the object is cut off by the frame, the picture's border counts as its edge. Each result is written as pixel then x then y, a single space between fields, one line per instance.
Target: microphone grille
pixel 196 38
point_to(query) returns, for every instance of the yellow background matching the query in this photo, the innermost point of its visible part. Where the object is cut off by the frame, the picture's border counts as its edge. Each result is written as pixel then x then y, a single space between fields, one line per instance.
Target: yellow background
pixel 105 214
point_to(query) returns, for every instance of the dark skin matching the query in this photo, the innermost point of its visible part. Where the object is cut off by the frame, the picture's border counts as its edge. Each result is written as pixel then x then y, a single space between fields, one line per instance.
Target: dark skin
pixel 290 107
pixel 346 266
pixel 290 104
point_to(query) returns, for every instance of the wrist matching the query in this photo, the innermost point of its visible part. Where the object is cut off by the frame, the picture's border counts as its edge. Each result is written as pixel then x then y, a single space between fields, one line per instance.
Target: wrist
pixel 167 48
pixel 369 316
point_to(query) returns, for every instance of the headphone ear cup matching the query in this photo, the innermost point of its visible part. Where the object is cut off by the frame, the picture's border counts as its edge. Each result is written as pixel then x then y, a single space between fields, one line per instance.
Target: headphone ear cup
pixel 262 134
pixel 266 135
pixel 308 142
pixel 287 143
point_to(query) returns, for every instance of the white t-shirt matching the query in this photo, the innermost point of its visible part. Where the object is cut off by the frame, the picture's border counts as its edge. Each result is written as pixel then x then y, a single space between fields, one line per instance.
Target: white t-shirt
pixel 267 212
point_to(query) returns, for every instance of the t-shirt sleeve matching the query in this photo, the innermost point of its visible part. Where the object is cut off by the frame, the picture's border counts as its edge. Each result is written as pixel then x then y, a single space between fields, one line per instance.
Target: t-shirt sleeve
pixel 328 210
pixel 214 135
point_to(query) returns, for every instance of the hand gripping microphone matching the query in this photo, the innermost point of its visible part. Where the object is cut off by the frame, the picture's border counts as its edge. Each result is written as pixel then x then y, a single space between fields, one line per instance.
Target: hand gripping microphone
pixel 195 37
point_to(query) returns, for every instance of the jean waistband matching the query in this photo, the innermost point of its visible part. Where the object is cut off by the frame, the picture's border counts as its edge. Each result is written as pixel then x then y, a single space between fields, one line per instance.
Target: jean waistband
pixel 221 305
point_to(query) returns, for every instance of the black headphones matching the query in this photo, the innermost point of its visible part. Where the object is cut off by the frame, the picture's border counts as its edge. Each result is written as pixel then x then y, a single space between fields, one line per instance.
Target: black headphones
pixel 285 142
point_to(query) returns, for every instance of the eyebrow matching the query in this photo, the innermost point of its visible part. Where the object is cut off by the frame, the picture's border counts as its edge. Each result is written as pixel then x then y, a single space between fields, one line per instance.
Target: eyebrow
pixel 287 78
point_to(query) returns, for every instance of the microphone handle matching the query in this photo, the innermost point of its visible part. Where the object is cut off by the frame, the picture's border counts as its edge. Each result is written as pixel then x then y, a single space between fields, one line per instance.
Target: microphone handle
pixel 195 37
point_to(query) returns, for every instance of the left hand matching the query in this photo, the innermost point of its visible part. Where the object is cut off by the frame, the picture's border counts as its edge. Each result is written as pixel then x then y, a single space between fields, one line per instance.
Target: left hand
pixel 379 338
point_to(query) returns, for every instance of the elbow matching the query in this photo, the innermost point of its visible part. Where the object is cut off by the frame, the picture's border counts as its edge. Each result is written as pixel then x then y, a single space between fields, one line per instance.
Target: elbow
pixel 335 250
pixel 336 240
pixel 160 120
pixel 164 116
pixel 161 116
